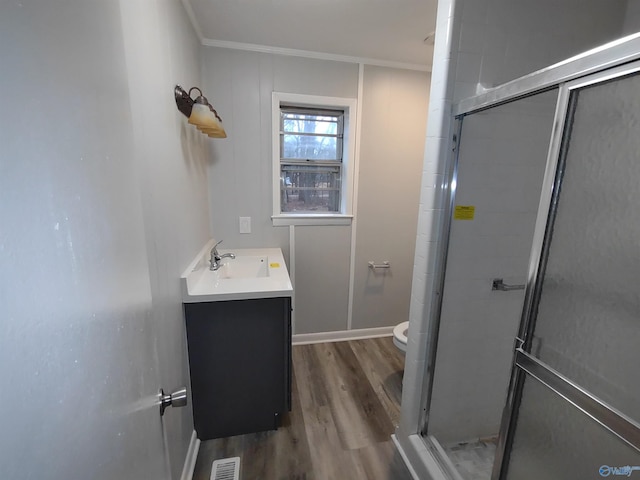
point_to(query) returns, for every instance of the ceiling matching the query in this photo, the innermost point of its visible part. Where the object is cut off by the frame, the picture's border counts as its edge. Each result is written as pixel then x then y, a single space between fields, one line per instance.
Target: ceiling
pixel 387 31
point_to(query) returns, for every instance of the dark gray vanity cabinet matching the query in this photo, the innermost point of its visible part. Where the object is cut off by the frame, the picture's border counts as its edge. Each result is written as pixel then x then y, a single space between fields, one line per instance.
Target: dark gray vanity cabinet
pixel 240 365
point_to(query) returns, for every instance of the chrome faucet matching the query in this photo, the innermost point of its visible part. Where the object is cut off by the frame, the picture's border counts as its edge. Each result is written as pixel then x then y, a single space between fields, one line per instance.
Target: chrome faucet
pixel 216 257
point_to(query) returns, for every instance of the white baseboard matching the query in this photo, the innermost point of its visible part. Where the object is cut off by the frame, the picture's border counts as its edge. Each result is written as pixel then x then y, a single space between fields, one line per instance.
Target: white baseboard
pixel 190 459
pixel 342 335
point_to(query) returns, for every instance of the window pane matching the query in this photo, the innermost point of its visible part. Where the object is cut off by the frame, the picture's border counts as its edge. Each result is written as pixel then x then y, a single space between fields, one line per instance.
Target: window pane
pixel 310 147
pixel 309 188
pixel 310 124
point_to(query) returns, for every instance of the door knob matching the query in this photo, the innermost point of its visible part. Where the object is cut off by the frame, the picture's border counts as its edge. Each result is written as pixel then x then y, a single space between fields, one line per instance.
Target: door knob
pixel 174 399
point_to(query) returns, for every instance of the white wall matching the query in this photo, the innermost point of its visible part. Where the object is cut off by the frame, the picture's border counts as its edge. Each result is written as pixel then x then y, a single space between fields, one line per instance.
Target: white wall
pixel 92 326
pixel 240 84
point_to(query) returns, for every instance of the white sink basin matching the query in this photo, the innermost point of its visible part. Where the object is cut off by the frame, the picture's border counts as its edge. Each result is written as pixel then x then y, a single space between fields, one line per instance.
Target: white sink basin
pixel 254 273
pixel 244 266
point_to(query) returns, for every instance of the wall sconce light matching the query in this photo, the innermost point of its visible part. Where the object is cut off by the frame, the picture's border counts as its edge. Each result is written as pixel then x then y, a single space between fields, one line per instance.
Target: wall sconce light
pixel 199 112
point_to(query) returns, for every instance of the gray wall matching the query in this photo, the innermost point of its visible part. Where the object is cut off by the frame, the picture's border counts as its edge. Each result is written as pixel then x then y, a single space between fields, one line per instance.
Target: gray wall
pixel 102 207
pixel 161 50
pixel 321 278
pixel 392 143
pixel 240 85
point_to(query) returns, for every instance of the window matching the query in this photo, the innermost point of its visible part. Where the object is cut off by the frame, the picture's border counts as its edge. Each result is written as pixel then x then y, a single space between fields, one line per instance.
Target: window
pixel 313 159
pixel 310 159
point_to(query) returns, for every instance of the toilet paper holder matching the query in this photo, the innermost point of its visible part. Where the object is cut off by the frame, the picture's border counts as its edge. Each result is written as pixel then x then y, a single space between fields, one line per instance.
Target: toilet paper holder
pixel 374 265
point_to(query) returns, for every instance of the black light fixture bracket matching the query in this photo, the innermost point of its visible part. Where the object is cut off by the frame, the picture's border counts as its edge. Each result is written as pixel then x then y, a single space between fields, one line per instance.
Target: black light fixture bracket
pixel 183 100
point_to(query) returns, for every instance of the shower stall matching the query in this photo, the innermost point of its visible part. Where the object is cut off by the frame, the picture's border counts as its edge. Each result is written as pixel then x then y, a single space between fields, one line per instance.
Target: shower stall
pixel 534 367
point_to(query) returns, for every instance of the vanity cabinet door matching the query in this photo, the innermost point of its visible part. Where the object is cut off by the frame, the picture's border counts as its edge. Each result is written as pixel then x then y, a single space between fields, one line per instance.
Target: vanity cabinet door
pixel 240 361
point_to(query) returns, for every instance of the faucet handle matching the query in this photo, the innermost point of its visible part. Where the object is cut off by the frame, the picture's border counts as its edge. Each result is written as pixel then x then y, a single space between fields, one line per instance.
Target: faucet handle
pixel 215 249
pixel 215 257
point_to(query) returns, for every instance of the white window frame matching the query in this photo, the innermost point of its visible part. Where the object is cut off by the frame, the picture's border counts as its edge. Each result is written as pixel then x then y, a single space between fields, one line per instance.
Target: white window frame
pixel 348 105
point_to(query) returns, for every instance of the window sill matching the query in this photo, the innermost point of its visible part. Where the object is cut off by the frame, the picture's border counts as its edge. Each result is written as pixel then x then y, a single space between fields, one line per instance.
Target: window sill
pixel 311 219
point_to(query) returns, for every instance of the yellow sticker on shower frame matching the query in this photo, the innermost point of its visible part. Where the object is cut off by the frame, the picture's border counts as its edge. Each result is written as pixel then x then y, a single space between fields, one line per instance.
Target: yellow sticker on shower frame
pixel 464 212
pixel 274 265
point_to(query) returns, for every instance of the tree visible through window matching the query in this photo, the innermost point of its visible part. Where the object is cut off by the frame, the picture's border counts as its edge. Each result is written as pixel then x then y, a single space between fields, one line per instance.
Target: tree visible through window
pixel 311 153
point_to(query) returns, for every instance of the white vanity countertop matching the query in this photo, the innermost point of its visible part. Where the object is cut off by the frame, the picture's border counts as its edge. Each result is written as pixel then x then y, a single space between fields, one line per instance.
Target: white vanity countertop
pixel 254 273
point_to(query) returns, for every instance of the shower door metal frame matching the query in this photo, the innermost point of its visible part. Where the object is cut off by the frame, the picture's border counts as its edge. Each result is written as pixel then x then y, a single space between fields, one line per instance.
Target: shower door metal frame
pixel 603 63
pixel 525 364
pixel 449 189
pixel 449 192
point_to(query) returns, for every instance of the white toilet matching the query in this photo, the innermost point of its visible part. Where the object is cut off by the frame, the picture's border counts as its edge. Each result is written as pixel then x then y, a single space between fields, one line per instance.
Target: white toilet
pixel 400 336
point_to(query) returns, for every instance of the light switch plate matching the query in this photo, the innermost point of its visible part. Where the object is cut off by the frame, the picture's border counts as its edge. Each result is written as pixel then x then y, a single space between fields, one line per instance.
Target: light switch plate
pixel 245 224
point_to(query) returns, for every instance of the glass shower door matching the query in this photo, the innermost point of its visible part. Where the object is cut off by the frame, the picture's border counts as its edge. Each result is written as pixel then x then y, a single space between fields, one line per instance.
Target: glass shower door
pixel 575 397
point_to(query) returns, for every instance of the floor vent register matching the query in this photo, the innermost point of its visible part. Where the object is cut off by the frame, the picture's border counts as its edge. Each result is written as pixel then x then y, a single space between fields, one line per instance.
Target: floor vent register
pixel 226 469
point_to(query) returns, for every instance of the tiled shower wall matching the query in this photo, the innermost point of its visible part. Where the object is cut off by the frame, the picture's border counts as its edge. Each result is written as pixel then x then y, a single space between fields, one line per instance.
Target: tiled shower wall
pixel 501 40
pixel 480 44
pixel 503 153
pixel 632 17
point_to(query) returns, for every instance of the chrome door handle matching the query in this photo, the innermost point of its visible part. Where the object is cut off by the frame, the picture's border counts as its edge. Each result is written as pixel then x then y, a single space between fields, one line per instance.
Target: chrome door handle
pixel 174 399
pixel 498 284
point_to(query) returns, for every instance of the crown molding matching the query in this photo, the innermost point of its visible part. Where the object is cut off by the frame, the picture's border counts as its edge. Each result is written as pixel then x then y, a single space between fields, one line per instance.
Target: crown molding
pixel 252 47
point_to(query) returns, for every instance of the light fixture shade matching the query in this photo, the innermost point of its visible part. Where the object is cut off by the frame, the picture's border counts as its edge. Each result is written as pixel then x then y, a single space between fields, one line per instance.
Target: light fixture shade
pixel 202 116
pixel 222 134
pixel 214 132
pixel 199 112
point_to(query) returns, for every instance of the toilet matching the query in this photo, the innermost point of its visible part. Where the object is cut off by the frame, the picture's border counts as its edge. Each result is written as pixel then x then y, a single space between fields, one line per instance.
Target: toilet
pixel 400 336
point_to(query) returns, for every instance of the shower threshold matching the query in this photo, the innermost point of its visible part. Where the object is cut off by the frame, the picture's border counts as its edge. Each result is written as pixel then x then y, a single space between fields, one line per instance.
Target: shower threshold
pixel 472 460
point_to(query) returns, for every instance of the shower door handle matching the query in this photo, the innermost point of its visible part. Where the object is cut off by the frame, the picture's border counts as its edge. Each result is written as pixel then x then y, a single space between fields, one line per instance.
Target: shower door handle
pixel 498 284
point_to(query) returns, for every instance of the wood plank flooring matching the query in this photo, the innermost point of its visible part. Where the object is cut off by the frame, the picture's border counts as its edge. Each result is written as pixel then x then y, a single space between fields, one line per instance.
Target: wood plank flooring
pixel 345 405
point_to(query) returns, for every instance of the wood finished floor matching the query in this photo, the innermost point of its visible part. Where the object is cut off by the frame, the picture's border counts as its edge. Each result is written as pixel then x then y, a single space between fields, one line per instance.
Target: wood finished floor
pixel 345 406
